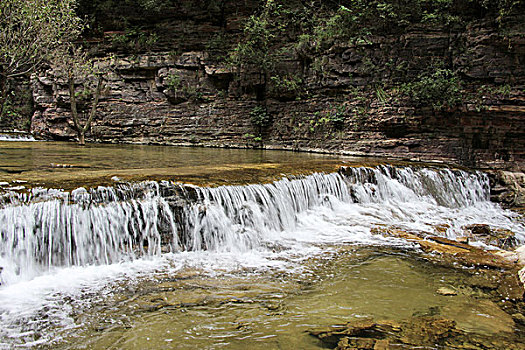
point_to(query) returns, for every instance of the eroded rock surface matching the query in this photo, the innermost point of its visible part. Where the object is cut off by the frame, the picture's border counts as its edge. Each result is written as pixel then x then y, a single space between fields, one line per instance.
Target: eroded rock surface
pixel 413 333
pixel 179 93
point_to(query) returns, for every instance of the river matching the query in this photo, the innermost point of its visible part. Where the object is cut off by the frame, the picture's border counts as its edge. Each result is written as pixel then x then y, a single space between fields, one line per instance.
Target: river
pixel 126 246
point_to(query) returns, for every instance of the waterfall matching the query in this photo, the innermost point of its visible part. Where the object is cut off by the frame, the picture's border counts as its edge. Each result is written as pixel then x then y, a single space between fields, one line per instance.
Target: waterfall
pixel 16 137
pixel 47 229
pixel 445 187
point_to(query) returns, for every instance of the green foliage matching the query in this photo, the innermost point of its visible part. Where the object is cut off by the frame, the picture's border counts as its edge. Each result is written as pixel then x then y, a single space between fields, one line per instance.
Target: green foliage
pixel 30 33
pixel 355 20
pixel 11 111
pixel 217 47
pixel 254 49
pixel 260 44
pixel 85 94
pixel 343 24
pixel 252 137
pixel 182 90
pixel 503 8
pixel 334 116
pixel 31 30
pixel 439 88
pixel 287 86
pixel 337 116
pixel 134 40
pixel 478 97
pixel 260 118
pixel 381 94
pixel 502 91
pixel 173 82
pixel 316 26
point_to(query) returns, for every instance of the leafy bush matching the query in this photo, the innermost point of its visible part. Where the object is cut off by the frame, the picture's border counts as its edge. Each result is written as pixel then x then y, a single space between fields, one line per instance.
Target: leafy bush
pixel 440 88
pixel 173 82
pixel 254 49
pixel 134 40
pixel 355 20
pixel 217 47
pixel 286 87
pixel 337 116
pixel 260 118
pixel 334 116
pixel 182 91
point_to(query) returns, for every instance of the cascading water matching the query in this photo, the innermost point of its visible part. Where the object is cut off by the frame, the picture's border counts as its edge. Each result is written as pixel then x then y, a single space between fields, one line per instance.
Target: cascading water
pixel 16 137
pixel 79 230
pixel 48 233
pixel 109 225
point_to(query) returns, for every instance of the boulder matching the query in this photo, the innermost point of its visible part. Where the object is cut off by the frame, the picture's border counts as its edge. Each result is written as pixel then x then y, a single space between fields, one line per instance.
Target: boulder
pixel 498 237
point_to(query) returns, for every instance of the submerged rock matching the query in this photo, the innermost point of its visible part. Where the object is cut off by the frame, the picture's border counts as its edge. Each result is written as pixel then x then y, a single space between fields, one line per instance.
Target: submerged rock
pixel 457 254
pixel 501 238
pixel 416 332
pixel 452 251
pixel 369 334
pixel 446 291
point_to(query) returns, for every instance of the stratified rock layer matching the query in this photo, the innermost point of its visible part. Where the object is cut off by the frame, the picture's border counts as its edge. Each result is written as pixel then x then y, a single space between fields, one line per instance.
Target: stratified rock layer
pixel 180 95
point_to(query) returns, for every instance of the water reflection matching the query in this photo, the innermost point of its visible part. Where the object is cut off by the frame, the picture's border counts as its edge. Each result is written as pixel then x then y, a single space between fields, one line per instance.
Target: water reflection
pixel 67 165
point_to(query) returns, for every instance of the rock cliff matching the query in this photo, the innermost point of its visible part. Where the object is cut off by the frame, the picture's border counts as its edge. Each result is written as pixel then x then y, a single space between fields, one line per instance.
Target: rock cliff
pixel 178 93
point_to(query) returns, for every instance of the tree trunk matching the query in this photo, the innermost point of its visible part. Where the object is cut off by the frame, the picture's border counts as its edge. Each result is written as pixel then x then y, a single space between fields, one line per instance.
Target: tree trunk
pixel 3 96
pixel 73 104
pixel 81 138
pixel 93 105
pixel 81 130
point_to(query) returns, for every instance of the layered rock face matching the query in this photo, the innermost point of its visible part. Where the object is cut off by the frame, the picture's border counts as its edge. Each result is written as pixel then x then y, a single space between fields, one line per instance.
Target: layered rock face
pixel 184 97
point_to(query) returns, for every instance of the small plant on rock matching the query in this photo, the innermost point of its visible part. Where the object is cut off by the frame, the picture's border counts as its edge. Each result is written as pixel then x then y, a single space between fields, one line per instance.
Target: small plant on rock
pixel 173 82
pixel 286 87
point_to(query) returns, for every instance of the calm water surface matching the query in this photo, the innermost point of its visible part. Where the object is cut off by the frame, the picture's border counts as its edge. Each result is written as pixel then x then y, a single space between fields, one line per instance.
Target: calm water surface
pixel 67 165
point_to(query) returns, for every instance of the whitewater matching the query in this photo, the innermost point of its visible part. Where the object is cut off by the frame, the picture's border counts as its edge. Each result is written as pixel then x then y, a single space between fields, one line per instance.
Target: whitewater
pixel 64 251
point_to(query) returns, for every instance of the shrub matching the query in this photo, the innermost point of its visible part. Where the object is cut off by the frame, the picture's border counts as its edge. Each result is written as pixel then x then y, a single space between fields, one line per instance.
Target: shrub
pixel 334 116
pixel 135 40
pixel 173 82
pixel 440 88
pixel 286 87
pixel 260 118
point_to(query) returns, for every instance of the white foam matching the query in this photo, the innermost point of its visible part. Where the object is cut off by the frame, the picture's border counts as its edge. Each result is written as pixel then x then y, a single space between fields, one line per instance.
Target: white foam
pixel 16 137
pixel 80 245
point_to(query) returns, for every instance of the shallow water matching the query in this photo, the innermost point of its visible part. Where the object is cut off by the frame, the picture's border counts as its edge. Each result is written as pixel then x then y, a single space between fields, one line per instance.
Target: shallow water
pixel 67 165
pixel 275 310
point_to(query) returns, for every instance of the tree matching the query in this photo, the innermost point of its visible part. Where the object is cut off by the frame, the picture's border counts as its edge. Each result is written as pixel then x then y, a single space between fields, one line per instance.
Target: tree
pixel 84 77
pixel 254 51
pixel 30 32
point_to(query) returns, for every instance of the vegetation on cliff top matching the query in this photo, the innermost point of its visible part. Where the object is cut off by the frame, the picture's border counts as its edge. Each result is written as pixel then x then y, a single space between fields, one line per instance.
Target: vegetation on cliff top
pixel 273 33
pixel 310 30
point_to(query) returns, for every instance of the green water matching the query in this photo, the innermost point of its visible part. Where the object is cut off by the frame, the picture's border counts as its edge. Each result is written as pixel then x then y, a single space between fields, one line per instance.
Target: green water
pixel 274 311
pixel 67 165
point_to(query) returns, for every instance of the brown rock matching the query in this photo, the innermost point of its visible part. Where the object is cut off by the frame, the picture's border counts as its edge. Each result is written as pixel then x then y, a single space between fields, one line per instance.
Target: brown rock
pixel 446 291
pixel 420 331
